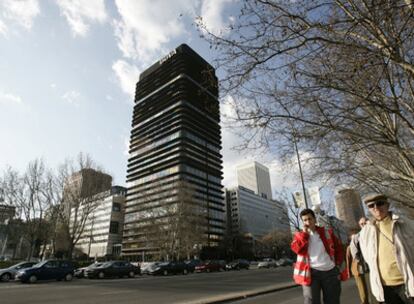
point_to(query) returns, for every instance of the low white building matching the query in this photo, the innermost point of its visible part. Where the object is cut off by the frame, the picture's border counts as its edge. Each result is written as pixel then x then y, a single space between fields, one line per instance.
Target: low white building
pixel 102 234
pixel 249 213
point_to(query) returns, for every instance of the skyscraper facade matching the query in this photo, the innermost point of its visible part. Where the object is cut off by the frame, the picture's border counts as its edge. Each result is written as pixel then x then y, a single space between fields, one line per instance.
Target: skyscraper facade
pixel 249 213
pixel 349 207
pixel 174 156
pixel 255 176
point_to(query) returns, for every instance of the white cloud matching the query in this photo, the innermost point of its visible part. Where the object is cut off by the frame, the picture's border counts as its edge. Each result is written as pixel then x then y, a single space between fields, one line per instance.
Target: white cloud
pixel 127 76
pixel 9 98
pixel 20 12
pixel 80 14
pixel 212 16
pixel 146 26
pixel 72 97
pixel 3 28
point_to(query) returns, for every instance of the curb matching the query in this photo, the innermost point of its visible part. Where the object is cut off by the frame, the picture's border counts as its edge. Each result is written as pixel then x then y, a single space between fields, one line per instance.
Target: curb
pixel 234 296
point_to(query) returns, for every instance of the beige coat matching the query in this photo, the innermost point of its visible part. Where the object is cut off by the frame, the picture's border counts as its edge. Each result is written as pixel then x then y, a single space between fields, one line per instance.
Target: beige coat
pixel 403 236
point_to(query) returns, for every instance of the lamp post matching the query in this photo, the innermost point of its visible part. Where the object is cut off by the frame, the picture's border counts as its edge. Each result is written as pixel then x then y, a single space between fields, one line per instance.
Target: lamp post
pixel 300 169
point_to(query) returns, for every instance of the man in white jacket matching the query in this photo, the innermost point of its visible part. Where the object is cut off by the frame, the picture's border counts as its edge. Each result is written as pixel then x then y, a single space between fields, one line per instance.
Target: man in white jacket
pixel 387 244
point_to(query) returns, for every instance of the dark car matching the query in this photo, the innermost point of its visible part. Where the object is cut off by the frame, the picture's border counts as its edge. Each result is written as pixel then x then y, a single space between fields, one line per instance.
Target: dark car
pixel 8 274
pixel 210 266
pixel 170 268
pixel 238 264
pixel 113 269
pixel 47 270
pixel 192 264
pixel 80 272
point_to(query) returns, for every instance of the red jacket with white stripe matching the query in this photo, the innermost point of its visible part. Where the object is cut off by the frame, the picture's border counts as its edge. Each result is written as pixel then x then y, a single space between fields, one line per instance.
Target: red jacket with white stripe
pixel 333 246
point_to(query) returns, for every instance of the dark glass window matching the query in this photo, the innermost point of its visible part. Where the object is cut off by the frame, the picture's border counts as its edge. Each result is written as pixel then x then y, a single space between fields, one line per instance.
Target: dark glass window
pixel 116 207
pixel 114 227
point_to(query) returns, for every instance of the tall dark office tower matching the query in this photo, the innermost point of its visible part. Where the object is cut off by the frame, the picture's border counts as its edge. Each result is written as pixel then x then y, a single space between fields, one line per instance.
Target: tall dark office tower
pixel 174 152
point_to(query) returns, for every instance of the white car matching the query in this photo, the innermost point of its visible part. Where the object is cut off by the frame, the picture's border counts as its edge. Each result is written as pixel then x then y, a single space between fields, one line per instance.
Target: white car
pixel 267 263
pixel 148 267
pixel 8 274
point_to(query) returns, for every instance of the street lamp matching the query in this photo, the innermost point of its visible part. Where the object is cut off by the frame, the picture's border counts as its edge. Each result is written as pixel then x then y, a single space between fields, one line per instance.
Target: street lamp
pixel 300 168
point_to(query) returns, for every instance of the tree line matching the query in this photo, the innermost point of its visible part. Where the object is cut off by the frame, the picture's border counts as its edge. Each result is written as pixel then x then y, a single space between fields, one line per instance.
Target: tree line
pixel 50 212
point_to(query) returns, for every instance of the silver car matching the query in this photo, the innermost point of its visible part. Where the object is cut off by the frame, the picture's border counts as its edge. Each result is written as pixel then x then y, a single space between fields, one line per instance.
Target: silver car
pixel 8 274
pixel 267 263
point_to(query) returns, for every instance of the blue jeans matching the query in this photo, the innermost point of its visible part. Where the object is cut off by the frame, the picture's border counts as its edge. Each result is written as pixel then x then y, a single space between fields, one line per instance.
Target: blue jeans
pixel 326 281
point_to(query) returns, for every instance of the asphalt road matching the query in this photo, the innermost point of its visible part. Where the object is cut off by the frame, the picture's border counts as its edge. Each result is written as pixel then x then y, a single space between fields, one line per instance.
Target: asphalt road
pixel 159 290
pixel 145 289
pixel 349 295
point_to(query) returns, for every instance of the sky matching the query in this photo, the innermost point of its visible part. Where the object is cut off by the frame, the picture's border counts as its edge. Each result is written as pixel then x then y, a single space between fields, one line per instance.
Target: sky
pixel 68 70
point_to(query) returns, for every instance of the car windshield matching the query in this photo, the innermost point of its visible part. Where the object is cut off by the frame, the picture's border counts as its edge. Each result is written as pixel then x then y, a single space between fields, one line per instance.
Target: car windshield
pixel 95 265
pixel 40 264
pixel 107 264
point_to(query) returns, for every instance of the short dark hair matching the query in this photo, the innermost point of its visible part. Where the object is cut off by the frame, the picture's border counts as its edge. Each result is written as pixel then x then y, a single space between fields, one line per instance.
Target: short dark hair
pixel 306 212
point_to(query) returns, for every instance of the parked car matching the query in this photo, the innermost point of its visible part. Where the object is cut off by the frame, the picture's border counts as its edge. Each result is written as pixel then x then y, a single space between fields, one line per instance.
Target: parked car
pixel 267 263
pixel 8 274
pixel 210 266
pixel 80 272
pixel 284 262
pixel 47 270
pixel 113 269
pixel 170 268
pixel 148 267
pixel 238 264
pixel 192 264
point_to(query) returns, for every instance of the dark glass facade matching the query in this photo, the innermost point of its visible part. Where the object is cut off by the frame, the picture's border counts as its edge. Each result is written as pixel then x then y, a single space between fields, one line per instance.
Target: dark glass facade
pixel 175 137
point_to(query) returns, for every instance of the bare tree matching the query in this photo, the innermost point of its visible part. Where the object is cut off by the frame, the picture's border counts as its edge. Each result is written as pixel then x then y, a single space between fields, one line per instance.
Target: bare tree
pixel 276 243
pixel 82 185
pixel 336 74
pixel 26 193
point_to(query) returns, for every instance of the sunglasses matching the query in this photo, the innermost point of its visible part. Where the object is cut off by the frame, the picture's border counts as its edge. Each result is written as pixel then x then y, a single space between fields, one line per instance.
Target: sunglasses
pixel 377 204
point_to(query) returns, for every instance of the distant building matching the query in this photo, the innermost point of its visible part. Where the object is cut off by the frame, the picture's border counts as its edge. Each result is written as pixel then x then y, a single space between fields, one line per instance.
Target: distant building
pixel 7 212
pixel 102 235
pixel 249 213
pixel 84 183
pixel 175 139
pixel 255 176
pixel 88 182
pixel 349 207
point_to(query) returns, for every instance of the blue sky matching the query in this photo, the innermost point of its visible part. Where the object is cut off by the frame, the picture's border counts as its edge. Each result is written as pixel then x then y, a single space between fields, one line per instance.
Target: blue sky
pixel 68 69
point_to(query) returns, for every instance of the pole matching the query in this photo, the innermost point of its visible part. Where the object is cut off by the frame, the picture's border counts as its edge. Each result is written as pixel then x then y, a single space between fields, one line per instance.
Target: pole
pixel 91 236
pixel 300 171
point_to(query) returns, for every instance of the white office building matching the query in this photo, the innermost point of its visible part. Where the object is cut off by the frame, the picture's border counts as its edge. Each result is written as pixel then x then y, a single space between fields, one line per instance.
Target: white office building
pixel 255 176
pixel 102 234
pixel 254 215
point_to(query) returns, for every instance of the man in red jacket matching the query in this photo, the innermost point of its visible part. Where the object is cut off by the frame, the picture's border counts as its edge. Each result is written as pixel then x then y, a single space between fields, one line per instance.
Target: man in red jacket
pixel 320 261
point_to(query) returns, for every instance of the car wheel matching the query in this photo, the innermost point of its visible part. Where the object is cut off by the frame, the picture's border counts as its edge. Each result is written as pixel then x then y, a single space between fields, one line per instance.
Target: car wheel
pixel 208 270
pixel 131 274
pixel 32 279
pixel 101 275
pixel 68 277
pixel 165 272
pixel 5 277
pixel 185 271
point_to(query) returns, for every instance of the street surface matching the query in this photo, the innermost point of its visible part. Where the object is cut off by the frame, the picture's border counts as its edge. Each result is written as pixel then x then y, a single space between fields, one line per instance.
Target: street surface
pixel 148 289
pixel 349 295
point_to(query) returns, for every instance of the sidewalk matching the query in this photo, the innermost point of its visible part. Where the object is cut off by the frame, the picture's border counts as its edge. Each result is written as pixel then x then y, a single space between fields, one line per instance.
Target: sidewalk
pixel 228 297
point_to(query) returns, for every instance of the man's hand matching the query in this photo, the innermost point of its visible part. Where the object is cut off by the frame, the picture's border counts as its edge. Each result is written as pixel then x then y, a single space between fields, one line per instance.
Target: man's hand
pixel 306 229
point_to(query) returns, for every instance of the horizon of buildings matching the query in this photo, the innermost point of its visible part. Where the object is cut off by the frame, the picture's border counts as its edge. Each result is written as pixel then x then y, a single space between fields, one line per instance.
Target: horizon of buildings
pixel 250 208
